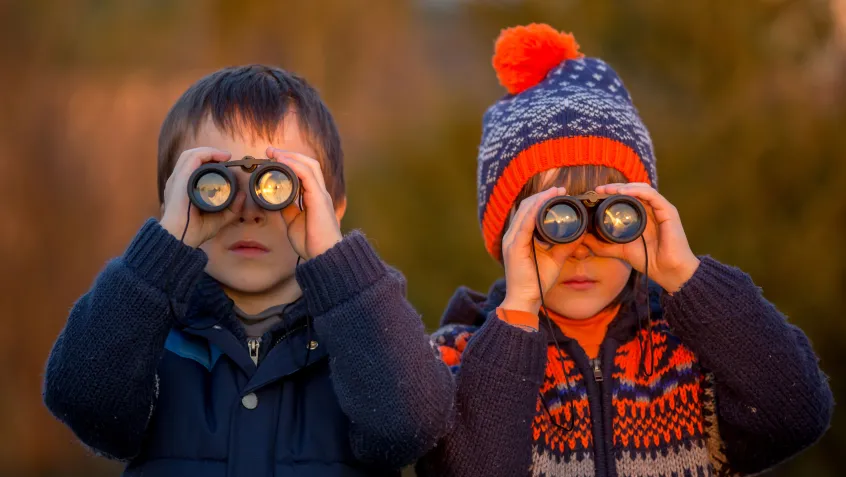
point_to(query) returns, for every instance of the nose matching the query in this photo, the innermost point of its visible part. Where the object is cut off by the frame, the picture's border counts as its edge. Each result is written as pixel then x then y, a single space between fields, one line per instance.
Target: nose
pixel 582 251
pixel 576 250
pixel 250 212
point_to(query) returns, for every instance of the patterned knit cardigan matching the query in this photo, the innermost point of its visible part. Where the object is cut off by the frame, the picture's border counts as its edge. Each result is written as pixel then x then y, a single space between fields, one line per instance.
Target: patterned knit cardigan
pixel 723 386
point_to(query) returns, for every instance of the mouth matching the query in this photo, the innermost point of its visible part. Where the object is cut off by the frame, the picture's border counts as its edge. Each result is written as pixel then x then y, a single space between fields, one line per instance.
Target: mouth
pixel 248 248
pixel 580 283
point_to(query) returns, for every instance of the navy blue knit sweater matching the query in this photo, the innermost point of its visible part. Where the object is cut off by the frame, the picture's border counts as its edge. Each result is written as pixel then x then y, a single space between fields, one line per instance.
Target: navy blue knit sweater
pixel 152 368
pixel 731 388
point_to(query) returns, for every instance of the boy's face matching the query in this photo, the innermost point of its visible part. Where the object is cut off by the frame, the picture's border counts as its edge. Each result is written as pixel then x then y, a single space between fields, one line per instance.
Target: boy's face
pixel 587 283
pixel 252 258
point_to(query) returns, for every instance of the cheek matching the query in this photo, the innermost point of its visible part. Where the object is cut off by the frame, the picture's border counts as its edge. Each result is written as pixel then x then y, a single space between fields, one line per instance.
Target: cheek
pixel 212 247
pixel 614 275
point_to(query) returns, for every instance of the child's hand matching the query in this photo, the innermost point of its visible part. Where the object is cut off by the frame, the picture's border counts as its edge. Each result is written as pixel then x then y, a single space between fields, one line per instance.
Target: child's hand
pixel 522 292
pixel 671 262
pixel 202 226
pixel 316 229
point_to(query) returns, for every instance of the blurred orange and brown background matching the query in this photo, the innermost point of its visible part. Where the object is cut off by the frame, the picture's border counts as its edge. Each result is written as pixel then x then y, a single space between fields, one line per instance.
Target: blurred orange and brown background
pixel 746 102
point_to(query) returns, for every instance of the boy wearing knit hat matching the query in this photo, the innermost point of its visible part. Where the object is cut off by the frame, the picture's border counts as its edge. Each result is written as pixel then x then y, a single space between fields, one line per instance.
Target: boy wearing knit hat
pixel 594 357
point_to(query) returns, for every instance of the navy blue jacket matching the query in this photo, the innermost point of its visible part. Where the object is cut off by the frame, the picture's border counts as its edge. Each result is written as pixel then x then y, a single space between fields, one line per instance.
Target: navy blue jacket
pixel 152 368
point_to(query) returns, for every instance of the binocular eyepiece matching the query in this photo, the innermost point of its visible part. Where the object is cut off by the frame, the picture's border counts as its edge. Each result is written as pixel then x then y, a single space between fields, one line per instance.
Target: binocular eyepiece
pixel 611 218
pixel 273 186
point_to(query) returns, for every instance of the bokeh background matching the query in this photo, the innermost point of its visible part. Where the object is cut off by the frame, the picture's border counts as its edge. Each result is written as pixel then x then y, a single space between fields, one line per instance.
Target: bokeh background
pixel 746 102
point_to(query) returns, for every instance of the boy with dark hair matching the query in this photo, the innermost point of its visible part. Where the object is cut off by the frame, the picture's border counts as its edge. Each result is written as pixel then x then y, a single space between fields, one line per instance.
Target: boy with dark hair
pixel 209 349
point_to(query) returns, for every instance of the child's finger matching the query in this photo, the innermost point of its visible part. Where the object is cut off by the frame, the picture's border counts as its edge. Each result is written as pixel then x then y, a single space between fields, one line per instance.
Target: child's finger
pixel 290 213
pixel 614 187
pixel 603 249
pixel 213 155
pixel 311 184
pixel 194 158
pixel 311 163
pixel 527 212
pixel 662 209
pixel 315 194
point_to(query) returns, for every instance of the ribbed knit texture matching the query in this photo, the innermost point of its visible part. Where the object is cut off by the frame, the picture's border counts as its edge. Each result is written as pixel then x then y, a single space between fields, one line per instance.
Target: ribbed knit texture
pixel 782 398
pixel 101 375
pixel 735 389
pixel 398 398
pixel 579 114
pixel 497 387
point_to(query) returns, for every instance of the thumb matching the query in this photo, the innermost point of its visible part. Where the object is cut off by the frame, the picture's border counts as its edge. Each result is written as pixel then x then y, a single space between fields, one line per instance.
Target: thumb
pixel 290 213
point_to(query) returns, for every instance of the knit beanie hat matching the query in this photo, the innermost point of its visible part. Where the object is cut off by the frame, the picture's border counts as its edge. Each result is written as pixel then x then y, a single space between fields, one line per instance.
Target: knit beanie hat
pixel 562 109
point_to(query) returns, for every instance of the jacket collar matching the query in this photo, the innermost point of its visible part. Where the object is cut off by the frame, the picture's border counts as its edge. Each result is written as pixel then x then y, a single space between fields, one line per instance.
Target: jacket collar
pixel 468 307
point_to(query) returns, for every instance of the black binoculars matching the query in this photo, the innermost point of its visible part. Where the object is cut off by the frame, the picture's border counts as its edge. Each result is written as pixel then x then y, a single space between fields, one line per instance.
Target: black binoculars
pixel 612 218
pixel 273 186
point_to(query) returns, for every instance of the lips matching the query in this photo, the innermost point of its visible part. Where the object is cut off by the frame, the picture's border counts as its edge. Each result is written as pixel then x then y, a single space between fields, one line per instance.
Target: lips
pixel 579 282
pixel 248 248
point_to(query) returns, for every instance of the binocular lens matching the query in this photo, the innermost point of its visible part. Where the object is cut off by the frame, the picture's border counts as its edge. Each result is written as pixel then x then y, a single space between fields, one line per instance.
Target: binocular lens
pixel 274 187
pixel 622 222
pixel 614 218
pixel 561 221
pixel 213 189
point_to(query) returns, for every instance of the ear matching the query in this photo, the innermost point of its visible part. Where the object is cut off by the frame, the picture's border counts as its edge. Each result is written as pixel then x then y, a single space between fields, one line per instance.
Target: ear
pixel 340 208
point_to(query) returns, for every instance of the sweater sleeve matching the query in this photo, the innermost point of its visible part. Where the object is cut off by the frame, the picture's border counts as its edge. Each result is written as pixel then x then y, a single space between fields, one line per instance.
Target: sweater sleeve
pixel 772 398
pixel 101 374
pixel 498 377
pixel 390 383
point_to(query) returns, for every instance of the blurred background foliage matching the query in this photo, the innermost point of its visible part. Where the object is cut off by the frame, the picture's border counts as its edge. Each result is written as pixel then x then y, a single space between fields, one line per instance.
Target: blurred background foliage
pixel 746 102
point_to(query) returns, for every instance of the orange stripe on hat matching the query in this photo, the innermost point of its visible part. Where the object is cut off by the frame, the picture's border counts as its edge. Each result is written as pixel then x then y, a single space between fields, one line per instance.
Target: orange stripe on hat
pixel 553 154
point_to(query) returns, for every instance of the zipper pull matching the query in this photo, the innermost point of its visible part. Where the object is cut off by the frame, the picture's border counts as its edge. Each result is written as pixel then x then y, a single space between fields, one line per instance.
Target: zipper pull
pixel 254 344
pixel 597 370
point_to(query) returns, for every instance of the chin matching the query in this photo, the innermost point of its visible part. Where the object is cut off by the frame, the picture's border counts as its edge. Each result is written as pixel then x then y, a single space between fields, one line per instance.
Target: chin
pixel 251 282
pixel 250 285
pixel 576 307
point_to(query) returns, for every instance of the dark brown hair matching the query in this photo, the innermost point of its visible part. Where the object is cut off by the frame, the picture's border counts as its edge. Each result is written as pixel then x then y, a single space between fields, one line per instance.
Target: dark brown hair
pixel 577 180
pixel 253 99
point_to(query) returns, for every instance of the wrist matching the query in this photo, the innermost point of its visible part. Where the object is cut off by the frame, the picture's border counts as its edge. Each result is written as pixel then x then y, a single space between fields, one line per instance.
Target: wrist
pixel 520 304
pixel 327 245
pixel 680 275
pixel 176 230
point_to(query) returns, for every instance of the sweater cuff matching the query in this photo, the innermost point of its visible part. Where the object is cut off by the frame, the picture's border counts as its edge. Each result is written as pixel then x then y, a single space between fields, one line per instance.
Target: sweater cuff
pixel 508 348
pixel 340 273
pixel 521 319
pixel 714 292
pixel 165 262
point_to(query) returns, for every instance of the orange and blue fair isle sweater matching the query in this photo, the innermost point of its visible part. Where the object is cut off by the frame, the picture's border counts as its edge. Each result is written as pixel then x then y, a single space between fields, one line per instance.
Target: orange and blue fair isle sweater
pixel 729 388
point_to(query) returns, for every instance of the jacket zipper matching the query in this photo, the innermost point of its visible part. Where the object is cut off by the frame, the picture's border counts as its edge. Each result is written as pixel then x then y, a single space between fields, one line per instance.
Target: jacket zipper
pixel 598 401
pixel 254 345
pixel 596 363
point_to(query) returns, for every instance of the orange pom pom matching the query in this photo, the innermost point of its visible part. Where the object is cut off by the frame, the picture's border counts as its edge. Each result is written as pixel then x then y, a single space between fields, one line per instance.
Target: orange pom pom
pixel 523 55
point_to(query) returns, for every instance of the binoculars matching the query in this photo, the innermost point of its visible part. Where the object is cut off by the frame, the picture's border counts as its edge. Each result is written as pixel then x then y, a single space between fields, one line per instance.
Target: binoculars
pixel 611 218
pixel 273 186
